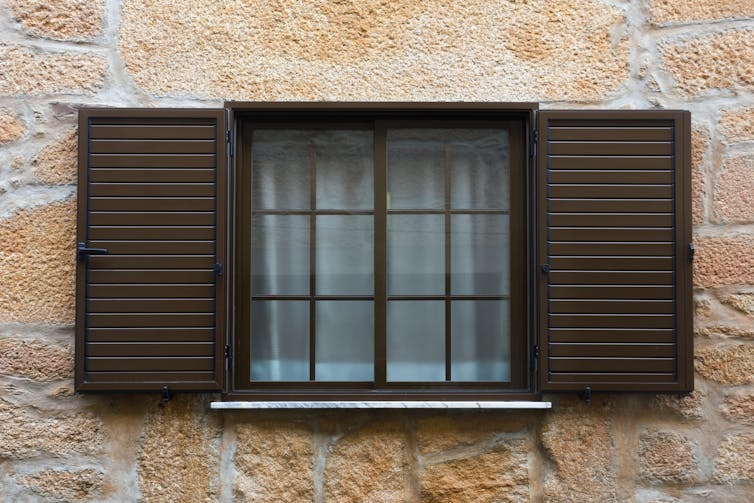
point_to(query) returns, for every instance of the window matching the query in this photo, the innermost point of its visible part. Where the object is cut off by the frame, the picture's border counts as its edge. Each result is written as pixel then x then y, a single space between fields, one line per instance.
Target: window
pixel 323 251
pixel 380 253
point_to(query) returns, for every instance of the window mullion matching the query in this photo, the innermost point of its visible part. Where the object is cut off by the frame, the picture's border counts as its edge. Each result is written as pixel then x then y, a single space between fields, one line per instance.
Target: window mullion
pixel 380 254
pixel 312 261
pixel 446 172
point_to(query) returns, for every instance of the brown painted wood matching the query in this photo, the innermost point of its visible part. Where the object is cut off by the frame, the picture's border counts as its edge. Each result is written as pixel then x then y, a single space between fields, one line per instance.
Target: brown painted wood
pixel 612 192
pixel 621 134
pixel 153 195
pixel 151 175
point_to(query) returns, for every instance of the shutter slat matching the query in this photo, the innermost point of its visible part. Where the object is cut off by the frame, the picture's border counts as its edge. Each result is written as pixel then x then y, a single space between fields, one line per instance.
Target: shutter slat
pixel 151 310
pixel 615 295
pixel 151 175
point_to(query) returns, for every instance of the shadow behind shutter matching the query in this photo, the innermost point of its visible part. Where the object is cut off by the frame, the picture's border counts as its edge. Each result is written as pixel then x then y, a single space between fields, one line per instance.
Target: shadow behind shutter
pixel 151 312
pixel 614 228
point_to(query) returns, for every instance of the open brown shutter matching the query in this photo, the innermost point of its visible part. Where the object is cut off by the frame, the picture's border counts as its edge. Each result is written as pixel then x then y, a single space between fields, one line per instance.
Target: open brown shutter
pixel 614 230
pixel 151 233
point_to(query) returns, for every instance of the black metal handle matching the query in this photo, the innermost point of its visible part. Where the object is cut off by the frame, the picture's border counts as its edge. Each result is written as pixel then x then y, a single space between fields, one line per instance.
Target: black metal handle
pixel 85 251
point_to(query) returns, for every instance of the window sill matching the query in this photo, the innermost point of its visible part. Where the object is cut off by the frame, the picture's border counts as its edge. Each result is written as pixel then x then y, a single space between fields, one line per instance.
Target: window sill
pixel 377 404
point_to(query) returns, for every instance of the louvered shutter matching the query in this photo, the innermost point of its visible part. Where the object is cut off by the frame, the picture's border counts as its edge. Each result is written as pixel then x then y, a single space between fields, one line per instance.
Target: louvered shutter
pixel 151 233
pixel 614 230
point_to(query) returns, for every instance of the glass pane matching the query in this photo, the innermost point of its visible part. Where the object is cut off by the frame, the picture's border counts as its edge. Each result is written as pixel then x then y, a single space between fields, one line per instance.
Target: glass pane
pixel 480 340
pixel 279 340
pixel 480 169
pixel 345 255
pixel 479 255
pixel 416 255
pixel 415 168
pixel 416 341
pixel 344 163
pixel 280 255
pixel 345 341
pixel 281 169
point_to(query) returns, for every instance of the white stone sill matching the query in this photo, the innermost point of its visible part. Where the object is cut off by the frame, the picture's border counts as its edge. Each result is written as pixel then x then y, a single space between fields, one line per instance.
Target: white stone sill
pixel 377 404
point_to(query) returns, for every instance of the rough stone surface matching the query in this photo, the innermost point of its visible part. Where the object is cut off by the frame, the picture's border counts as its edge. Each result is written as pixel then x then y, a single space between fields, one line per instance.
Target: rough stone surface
pixel 735 458
pixel 739 407
pixel 179 460
pixel 446 432
pixel 687 406
pixel 376 50
pixel 702 308
pixel 11 126
pixel 26 434
pixel 37 264
pixel 737 125
pixel 57 162
pixel 59 20
pixel 700 140
pixel 35 359
pixel 725 331
pixel 724 261
pixel 498 475
pixel 709 63
pixel 726 364
pixel 274 461
pixel 577 439
pixel 733 189
pixel 673 11
pixel 666 457
pixel 368 465
pixel 64 485
pixel 743 302
pixel 34 72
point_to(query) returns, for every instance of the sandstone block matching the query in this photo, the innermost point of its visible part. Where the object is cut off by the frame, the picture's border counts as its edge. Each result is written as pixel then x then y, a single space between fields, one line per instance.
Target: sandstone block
pixel 737 125
pixel 726 364
pixel 498 475
pixel 672 11
pixel 711 63
pixel 11 126
pixel 35 359
pixel 739 407
pixel 65 485
pixel 368 465
pixel 274 461
pixel 577 439
pixel 25 434
pixel 725 331
pixel 667 457
pixel 376 50
pixel 57 163
pixel 743 301
pixel 439 433
pixel 59 20
pixel 687 406
pixel 735 458
pixel 34 72
pixel 700 141
pixel 178 458
pixel 725 260
pixel 37 264
pixel 733 189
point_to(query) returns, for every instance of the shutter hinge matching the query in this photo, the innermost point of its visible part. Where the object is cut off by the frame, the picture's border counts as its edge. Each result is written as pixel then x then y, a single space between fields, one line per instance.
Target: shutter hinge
pixel 219 268
pixel 229 141
pixel 536 351
pixel 545 268
pixel 692 250
pixel 227 351
pixel 534 139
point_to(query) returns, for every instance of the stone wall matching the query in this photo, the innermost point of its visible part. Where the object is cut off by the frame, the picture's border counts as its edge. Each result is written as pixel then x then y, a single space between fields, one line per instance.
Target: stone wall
pixel 56 55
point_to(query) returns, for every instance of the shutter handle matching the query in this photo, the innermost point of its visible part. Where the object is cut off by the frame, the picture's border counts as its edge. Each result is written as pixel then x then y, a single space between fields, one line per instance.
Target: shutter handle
pixel 85 251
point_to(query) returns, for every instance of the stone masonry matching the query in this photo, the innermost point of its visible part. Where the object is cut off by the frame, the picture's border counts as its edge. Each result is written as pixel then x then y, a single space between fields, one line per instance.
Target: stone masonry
pixel 57 55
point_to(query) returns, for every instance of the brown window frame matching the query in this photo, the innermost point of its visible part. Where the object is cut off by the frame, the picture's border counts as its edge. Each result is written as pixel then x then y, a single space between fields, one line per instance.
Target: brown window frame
pixel 379 117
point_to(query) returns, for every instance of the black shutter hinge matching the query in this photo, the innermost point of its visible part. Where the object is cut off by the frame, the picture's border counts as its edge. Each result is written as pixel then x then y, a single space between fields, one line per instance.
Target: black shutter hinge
pixel 536 351
pixel 692 250
pixel 534 139
pixel 227 351
pixel 219 268
pixel 545 268
pixel 229 140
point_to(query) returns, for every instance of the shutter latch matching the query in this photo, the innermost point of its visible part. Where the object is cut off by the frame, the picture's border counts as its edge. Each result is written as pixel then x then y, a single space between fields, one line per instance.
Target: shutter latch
pixel 229 140
pixel 586 395
pixel 692 250
pixel 219 268
pixel 85 251
pixel 545 268
pixel 165 395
